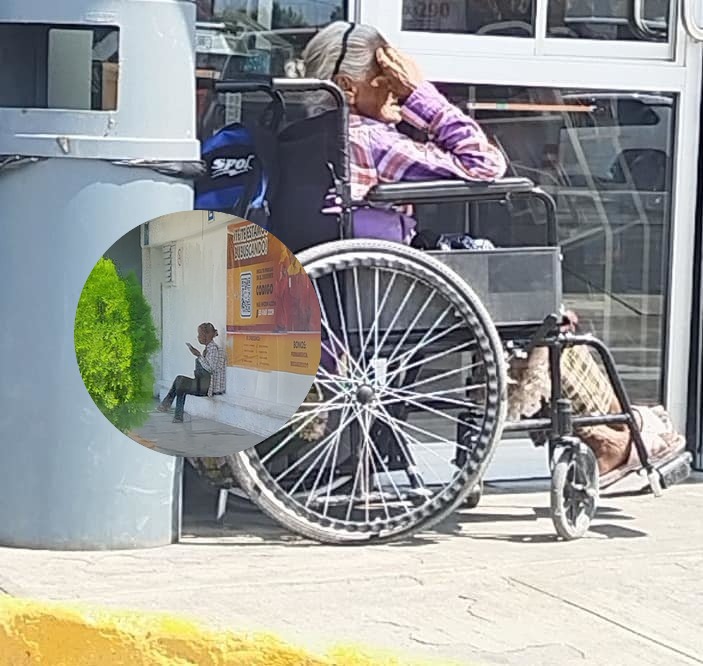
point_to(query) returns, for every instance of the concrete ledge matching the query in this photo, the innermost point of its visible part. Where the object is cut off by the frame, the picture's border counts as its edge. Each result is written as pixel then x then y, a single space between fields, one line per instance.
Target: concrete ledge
pixel 252 416
pixel 57 635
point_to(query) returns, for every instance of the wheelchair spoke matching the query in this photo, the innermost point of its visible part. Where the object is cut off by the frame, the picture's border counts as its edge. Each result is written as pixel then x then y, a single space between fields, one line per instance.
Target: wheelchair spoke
pixel 411 426
pixel 344 346
pixel 428 446
pixel 398 311
pixel 311 452
pixel 399 345
pixel 443 415
pixel 403 501
pixel 340 310
pixel 427 339
pixel 376 287
pixel 400 395
pixel 378 309
pixel 435 357
pixel 307 420
pixel 390 477
pixel 429 380
pixel 345 352
pixel 333 466
pixel 359 318
pixel 306 410
pixel 394 423
pixel 328 450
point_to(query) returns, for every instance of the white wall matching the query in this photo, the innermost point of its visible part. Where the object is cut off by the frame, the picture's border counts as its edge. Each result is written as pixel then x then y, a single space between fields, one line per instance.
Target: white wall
pixel 258 401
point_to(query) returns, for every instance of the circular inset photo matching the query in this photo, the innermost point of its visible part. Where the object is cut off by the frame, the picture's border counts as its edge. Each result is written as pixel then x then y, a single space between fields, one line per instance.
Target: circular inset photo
pixel 198 334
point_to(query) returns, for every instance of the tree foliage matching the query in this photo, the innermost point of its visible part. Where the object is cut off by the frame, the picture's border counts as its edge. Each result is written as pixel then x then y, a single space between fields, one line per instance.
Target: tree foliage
pixel 115 338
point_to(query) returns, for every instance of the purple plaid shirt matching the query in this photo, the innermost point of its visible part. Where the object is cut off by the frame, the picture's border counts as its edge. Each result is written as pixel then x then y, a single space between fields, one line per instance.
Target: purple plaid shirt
pixel 457 148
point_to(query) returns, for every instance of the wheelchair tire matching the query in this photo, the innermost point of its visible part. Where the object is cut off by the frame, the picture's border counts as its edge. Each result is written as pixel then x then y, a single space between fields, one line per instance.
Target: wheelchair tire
pixel 574 491
pixel 427 506
pixel 473 499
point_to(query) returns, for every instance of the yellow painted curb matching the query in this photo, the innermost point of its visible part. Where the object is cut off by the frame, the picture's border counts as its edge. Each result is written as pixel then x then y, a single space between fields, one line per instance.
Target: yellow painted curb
pixel 33 633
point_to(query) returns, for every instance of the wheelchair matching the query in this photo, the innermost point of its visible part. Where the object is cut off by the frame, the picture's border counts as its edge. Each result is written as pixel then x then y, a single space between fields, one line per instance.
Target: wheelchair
pixel 410 400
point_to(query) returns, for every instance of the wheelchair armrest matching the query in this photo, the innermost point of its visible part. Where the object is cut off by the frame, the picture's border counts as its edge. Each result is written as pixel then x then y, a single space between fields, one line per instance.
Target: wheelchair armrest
pixel 453 191
pixel 443 191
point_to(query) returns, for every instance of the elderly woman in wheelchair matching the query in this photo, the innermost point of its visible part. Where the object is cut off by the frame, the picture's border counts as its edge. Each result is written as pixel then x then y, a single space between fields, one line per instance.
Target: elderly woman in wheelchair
pixel 428 354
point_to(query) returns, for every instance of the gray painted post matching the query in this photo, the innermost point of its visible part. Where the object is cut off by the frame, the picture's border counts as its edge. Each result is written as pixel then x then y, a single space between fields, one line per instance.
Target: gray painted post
pixel 68 478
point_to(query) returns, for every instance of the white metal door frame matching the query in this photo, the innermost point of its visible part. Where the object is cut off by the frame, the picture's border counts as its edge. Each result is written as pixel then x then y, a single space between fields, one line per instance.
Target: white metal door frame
pixel 387 16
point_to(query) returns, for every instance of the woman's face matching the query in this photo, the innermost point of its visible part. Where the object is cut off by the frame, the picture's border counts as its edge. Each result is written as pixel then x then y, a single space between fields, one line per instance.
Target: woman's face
pixel 372 97
pixel 202 336
pixel 375 99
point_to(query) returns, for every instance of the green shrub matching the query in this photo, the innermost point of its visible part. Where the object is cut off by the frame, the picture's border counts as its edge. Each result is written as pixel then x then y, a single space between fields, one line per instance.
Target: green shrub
pixel 115 338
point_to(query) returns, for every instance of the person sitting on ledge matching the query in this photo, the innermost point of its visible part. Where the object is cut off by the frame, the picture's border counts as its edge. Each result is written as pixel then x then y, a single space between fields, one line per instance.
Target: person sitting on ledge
pixel 210 374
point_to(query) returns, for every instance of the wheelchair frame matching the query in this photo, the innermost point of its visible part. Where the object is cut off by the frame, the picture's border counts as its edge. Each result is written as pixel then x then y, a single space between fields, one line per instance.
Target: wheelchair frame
pixel 573 467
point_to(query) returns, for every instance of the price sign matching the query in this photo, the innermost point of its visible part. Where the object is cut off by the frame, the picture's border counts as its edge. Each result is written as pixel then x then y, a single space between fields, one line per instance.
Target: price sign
pixel 434 15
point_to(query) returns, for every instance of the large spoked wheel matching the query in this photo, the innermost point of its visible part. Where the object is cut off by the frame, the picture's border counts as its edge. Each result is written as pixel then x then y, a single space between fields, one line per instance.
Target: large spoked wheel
pixel 574 491
pixel 409 358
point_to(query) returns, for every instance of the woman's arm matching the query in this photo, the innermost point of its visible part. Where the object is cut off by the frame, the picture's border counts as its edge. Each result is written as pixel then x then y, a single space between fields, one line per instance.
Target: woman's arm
pixel 458 147
pixel 456 135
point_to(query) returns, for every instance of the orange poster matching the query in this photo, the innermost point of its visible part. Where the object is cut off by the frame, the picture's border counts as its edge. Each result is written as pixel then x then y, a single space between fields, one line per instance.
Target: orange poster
pixel 273 313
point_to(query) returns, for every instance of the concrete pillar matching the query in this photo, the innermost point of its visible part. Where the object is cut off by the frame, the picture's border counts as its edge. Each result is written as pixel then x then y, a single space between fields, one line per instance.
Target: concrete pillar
pixel 68 478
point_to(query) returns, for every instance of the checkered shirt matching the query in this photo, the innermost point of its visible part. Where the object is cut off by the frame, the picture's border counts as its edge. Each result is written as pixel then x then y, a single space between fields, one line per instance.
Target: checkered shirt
pixel 213 361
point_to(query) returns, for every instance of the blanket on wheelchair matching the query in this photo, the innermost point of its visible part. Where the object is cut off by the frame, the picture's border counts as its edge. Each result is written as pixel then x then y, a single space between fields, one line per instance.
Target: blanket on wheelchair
pixel 591 394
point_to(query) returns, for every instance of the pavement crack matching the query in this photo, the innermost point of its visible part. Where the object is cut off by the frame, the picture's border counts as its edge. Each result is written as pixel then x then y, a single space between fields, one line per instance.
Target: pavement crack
pixel 607 619
pixel 545 646
pixel 398 625
pixel 471 611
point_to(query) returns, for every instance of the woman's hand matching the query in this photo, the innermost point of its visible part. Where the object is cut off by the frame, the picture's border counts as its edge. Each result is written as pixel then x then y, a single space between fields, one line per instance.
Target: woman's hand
pixel 193 350
pixel 402 73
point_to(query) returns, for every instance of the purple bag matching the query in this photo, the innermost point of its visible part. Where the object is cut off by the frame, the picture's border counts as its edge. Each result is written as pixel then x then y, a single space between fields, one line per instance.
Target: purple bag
pixel 386 225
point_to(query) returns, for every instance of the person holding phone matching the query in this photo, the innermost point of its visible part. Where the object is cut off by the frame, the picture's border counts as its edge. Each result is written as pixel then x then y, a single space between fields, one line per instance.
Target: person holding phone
pixel 210 374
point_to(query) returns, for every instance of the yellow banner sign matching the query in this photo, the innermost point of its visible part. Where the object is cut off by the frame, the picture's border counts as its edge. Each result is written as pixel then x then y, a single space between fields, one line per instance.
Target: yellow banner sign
pixel 273 313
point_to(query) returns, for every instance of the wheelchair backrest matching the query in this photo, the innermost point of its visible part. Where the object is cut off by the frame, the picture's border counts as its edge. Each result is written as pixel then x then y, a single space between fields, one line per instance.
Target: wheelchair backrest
pixel 306 150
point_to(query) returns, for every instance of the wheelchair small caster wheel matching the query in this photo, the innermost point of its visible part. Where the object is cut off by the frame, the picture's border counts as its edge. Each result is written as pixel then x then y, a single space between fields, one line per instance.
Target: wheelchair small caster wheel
pixel 474 497
pixel 574 491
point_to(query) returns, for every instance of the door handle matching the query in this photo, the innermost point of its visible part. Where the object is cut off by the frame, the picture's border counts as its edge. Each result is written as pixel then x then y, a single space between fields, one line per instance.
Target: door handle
pixel 641 26
pixel 688 19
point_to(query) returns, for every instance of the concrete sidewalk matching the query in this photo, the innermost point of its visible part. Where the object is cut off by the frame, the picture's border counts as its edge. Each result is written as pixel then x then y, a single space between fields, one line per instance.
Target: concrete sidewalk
pixel 196 437
pixel 489 586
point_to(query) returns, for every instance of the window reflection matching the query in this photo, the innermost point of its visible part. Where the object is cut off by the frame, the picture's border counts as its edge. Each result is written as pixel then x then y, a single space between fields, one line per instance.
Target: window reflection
pixel 643 20
pixel 236 38
pixel 259 36
pixel 607 158
pixel 513 18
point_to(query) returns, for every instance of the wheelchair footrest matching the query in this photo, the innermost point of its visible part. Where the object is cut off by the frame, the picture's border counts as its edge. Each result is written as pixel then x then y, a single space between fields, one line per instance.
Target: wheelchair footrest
pixel 676 470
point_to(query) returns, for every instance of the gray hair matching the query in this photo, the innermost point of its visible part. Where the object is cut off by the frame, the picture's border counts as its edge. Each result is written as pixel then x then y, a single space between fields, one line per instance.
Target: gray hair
pixel 324 49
